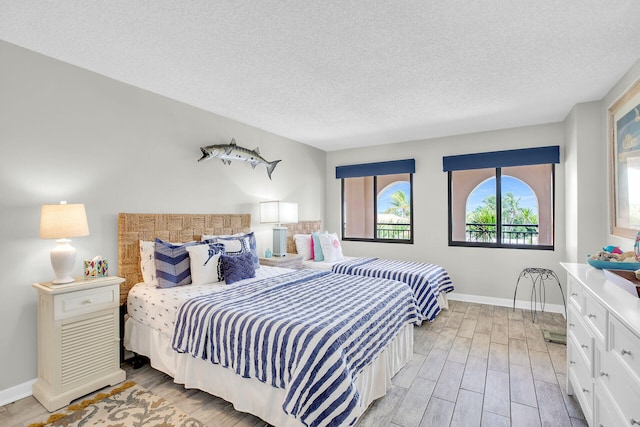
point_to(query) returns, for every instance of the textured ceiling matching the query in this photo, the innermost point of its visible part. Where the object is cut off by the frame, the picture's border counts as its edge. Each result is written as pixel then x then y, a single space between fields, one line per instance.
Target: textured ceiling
pixel 339 74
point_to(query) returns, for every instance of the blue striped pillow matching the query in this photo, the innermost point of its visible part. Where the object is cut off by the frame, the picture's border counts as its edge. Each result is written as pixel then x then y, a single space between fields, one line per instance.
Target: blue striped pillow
pixel 172 263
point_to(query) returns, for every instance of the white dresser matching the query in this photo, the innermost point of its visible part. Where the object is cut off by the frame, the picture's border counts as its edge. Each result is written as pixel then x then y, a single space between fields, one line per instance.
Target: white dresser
pixel 78 339
pixel 603 348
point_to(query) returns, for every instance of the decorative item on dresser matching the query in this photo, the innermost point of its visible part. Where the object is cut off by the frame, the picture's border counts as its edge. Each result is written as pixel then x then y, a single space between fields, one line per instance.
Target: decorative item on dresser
pixel 603 347
pixel 61 222
pixel 286 261
pixel 78 339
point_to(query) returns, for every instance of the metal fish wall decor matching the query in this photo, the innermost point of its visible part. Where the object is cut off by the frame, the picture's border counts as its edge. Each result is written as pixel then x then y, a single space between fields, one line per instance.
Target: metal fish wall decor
pixel 231 151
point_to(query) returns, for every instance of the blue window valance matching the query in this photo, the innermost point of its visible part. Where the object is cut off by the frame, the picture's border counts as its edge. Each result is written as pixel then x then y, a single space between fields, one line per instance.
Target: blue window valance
pixel 500 159
pixel 374 169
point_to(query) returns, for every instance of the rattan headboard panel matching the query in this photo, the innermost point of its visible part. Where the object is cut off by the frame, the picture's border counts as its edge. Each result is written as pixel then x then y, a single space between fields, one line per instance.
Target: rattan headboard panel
pixel 134 227
pixel 302 227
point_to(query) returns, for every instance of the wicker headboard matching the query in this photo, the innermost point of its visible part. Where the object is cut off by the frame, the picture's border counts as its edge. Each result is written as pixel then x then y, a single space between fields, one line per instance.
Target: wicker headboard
pixel 134 227
pixel 302 227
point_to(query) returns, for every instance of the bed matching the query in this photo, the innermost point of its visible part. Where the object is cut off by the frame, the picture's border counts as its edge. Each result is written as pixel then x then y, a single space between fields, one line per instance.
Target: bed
pixel 284 346
pixel 430 283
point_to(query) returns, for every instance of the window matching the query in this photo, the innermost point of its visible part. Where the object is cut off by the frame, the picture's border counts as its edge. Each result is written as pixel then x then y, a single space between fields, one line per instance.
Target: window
pixel 502 199
pixel 377 201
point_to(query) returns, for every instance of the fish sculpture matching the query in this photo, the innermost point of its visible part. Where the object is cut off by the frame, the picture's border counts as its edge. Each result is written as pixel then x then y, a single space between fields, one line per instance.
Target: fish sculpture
pixel 231 151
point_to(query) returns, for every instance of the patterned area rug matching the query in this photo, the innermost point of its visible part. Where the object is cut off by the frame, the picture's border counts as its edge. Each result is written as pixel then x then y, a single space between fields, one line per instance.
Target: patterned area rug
pixel 128 405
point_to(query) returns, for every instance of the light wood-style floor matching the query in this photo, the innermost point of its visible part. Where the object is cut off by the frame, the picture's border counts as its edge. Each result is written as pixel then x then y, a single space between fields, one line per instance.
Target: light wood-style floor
pixel 475 365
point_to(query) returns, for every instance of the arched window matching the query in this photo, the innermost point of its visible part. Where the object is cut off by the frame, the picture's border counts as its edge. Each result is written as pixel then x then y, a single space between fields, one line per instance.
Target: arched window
pixel 519 212
pixel 502 198
pixel 377 201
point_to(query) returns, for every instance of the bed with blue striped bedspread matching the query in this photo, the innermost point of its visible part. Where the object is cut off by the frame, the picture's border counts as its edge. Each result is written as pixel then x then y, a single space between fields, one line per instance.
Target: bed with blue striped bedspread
pixel 308 332
pixel 426 280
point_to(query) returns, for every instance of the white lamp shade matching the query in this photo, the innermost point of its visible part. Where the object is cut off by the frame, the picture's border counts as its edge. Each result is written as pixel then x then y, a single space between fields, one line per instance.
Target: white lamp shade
pixel 278 212
pixel 63 221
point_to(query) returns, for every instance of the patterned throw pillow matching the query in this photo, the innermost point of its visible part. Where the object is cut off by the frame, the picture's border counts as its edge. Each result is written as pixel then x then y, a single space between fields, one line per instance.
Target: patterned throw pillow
pixel 331 247
pixel 238 267
pixel 172 264
pixel 205 263
pixel 239 243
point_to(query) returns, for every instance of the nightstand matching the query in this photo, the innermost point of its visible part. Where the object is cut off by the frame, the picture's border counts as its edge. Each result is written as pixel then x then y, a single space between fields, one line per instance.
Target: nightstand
pixel 78 339
pixel 288 261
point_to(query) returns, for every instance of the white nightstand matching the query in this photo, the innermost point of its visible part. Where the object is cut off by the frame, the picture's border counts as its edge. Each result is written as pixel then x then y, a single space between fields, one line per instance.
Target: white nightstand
pixel 78 339
pixel 288 261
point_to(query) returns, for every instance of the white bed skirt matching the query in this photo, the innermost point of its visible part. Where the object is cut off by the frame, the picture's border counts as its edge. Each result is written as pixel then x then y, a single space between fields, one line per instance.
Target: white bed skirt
pixel 248 394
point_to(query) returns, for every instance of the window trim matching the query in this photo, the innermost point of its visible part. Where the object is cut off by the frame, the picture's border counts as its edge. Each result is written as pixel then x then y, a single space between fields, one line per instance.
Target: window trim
pixel 498 177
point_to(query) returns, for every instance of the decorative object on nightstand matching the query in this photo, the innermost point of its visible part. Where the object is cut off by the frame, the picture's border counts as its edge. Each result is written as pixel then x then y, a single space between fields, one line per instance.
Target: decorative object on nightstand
pixel 286 261
pixel 78 339
pixel 62 222
pixel 279 213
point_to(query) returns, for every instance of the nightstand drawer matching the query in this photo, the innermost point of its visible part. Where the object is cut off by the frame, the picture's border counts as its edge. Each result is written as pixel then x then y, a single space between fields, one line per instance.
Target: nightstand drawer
pixel 86 301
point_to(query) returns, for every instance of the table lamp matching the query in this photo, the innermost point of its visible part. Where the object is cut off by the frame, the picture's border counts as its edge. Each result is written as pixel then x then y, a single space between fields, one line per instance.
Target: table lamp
pixel 62 222
pixel 279 213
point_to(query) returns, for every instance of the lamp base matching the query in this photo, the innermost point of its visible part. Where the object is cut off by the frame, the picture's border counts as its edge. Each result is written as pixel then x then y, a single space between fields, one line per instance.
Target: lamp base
pixel 279 241
pixel 63 258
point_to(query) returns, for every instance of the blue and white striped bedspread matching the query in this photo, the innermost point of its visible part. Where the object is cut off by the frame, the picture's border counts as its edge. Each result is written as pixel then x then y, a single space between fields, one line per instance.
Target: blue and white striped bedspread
pixel 426 280
pixel 308 332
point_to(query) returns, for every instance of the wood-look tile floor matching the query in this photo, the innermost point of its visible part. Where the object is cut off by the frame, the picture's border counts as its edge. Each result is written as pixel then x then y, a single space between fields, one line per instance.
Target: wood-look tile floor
pixel 475 365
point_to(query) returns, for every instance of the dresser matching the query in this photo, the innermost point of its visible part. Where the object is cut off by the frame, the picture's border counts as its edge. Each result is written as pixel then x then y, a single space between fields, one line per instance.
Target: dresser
pixel 78 339
pixel 603 348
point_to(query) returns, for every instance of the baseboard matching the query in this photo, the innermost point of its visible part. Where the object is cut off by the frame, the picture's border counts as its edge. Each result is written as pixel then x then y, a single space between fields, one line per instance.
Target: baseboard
pixel 503 302
pixel 17 392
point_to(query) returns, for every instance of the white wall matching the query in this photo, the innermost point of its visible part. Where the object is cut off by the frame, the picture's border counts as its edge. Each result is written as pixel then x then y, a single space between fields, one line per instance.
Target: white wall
pixel 69 134
pixel 485 272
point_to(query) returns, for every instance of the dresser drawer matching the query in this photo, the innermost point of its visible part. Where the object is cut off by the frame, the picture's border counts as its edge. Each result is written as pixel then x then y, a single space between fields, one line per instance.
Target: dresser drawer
pixel 625 393
pixel 580 338
pixel 576 295
pixel 581 381
pixel 606 412
pixel 626 345
pixel 86 301
pixel 596 315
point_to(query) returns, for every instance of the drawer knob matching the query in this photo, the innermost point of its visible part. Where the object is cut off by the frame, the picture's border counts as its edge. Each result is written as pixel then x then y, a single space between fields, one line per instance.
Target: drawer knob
pixel 571 362
pixel 572 325
pixel 574 294
pixel 634 421
pixel 603 374
pixel 625 351
pixel 592 316
pixel 87 301
pixel 585 390
pixel 584 346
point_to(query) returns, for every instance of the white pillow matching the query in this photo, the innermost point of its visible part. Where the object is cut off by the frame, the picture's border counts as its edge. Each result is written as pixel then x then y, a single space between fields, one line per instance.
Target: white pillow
pixel 148 262
pixel 303 245
pixel 204 261
pixel 331 249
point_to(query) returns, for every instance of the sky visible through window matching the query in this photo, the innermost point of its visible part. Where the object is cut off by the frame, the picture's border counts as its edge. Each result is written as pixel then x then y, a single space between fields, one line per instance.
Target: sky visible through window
pixel 384 197
pixel 509 185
